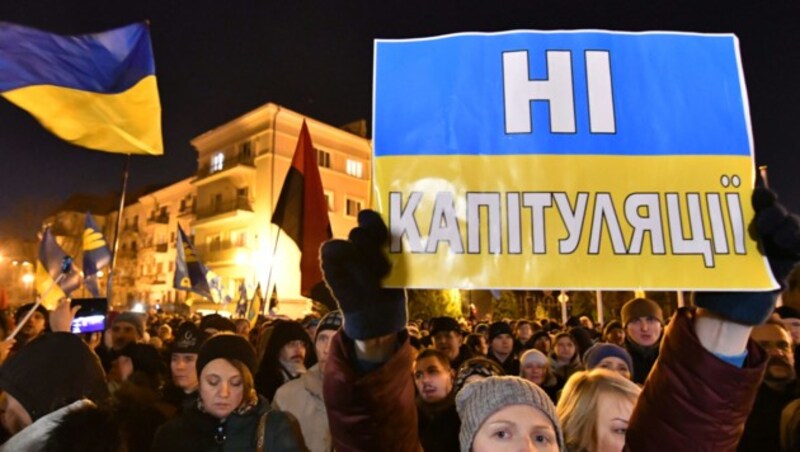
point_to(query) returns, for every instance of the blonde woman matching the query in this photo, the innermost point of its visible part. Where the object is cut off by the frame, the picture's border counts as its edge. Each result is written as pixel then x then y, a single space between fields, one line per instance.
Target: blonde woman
pixel 594 410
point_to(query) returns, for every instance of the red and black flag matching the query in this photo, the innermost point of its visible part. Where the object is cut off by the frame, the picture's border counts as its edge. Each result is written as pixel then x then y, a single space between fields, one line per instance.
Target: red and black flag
pixel 302 211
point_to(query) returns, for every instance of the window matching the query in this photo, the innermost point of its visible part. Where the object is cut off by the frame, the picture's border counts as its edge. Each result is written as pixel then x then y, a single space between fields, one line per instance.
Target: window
pixel 171 266
pixel 329 198
pixel 216 202
pixel 246 149
pixel 241 193
pixel 354 168
pixel 159 268
pixel 323 158
pixel 214 243
pixel 353 207
pixel 217 162
pixel 239 238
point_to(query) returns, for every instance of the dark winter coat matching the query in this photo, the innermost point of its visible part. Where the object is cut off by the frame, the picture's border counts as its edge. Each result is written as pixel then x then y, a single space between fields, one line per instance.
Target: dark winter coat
pixel 510 365
pixel 439 425
pixel 694 400
pixel 762 431
pixel 195 431
pixel 643 359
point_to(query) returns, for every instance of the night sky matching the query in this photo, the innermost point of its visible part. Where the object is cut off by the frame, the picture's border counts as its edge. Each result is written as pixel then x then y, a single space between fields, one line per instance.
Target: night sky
pixel 216 60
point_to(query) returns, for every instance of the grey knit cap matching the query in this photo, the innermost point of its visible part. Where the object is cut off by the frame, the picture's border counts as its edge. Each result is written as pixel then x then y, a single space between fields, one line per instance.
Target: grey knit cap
pixel 479 400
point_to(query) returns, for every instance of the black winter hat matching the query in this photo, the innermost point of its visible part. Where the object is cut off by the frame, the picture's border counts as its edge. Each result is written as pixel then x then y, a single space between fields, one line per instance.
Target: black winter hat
pixel 217 322
pixel 228 346
pixel 53 371
pixel 539 334
pixel 22 310
pixel 611 326
pixel 498 328
pixel 188 338
pixel 439 324
pixel 145 358
pixel 787 312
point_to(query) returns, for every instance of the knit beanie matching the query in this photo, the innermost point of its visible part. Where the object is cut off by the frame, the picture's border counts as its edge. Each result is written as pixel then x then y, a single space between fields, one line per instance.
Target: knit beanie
pixel 598 352
pixel 641 307
pixel 132 318
pixel 787 312
pixel 53 371
pixel 188 338
pixel 228 346
pixel 541 334
pixel 145 359
pixel 332 321
pixel 478 365
pixel 611 326
pixel 439 324
pixel 479 400
pixel 216 322
pixel 533 356
pixel 498 328
pixel 22 310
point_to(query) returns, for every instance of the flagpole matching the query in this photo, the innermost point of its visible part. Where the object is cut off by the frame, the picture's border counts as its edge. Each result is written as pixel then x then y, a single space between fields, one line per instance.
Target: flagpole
pixel 272 262
pixel 112 265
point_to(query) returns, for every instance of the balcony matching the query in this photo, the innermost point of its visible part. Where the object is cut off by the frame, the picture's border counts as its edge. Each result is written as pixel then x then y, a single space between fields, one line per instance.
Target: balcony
pixel 222 252
pixel 232 165
pixel 162 247
pixel 239 208
pixel 158 219
pixel 132 228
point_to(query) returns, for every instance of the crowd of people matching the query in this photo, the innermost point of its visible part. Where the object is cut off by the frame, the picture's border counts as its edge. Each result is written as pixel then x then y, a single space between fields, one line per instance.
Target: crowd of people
pixel 717 376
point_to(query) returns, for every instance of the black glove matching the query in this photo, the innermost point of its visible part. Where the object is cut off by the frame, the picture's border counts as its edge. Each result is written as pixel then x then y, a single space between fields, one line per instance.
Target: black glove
pixel 353 270
pixel 778 233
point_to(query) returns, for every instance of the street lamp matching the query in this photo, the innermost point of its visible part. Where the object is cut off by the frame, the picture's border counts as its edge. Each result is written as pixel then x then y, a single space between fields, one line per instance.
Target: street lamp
pixel 563 298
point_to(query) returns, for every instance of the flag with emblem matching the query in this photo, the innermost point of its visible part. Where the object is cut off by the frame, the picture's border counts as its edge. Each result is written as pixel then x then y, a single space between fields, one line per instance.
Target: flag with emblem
pixel 241 304
pixel 96 254
pixel 49 282
pixel 190 274
pixel 256 305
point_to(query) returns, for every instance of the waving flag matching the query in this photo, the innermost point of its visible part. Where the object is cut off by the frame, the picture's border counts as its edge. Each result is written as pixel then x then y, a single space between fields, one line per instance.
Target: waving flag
pixel 48 270
pixel 96 90
pixel 96 254
pixel 241 304
pixel 256 305
pixel 190 274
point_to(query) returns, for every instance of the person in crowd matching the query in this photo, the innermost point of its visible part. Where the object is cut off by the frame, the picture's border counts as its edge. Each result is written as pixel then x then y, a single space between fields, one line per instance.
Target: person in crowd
pixel 535 367
pixel 476 368
pixel 51 376
pixel 582 337
pixel 643 320
pixel 5 344
pixel 229 415
pixel 215 323
pixel 310 323
pixel 436 410
pixel 564 358
pixel 779 388
pixel 611 357
pixel 165 334
pixel 126 328
pixel 614 333
pixel 588 324
pixel 501 347
pixel 448 338
pixel 524 335
pixel 507 414
pixel 541 341
pixel 594 409
pixel 699 391
pixel 36 325
pixel 242 327
pixel 477 345
pixel 791 320
pixel 141 365
pixel 287 352
pixel 482 328
pixel 181 391
pixel 303 397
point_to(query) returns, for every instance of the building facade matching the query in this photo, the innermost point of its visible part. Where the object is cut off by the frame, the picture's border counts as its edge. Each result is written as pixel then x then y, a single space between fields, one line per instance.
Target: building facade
pixel 226 208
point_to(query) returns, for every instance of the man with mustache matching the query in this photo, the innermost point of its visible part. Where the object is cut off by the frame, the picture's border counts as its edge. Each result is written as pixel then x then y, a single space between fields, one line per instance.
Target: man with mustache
pixel 288 352
pixel 779 388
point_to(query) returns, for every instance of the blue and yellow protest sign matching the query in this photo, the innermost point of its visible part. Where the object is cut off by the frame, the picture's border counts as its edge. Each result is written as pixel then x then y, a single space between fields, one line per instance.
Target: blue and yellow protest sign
pixel 581 160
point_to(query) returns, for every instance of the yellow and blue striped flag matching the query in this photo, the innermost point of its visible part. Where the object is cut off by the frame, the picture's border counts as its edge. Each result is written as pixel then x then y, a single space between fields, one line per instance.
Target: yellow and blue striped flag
pixel 48 270
pixel 96 90
pixel 96 254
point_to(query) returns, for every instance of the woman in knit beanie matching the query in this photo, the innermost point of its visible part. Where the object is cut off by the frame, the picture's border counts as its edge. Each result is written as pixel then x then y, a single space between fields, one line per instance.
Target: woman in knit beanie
pixel 535 367
pixel 594 410
pixel 611 357
pixel 507 414
pixel 229 415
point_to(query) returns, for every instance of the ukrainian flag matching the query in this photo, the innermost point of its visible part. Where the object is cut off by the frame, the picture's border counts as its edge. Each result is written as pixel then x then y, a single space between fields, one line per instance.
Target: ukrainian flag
pixel 48 270
pixel 97 90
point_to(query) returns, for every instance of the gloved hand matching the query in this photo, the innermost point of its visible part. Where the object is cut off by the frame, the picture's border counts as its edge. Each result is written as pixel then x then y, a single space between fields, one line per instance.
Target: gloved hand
pixel 353 270
pixel 778 232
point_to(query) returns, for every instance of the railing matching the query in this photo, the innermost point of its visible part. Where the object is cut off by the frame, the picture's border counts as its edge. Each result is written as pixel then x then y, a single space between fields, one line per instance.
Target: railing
pixel 229 163
pixel 224 207
pixel 159 219
pixel 222 245
pixel 131 228
pixel 162 247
